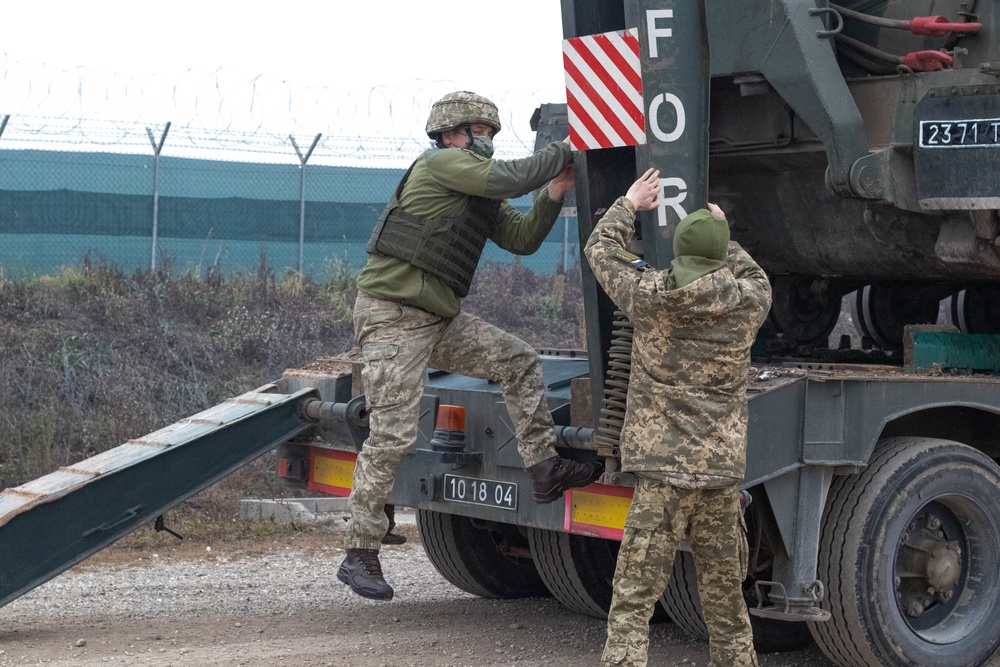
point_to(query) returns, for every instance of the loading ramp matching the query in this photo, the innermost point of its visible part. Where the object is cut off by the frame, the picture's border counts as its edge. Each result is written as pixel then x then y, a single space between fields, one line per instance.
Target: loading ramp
pixel 54 522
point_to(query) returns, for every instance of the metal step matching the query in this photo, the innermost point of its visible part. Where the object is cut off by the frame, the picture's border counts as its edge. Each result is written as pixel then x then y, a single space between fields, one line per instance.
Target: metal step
pixel 54 522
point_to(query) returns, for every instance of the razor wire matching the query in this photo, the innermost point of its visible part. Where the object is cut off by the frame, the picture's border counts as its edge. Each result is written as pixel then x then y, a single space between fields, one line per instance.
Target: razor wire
pixel 220 112
pixel 78 173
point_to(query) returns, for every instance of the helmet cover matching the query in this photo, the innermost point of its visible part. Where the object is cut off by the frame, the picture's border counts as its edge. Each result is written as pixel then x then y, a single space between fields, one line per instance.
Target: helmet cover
pixel 460 108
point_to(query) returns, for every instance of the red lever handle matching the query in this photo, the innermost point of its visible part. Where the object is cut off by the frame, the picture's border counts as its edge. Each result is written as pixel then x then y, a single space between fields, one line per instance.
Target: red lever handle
pixel 927 61
pixel 936 26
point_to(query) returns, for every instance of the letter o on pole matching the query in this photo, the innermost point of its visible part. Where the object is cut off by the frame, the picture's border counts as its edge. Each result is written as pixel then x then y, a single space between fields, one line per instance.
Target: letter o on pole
pixel 654 124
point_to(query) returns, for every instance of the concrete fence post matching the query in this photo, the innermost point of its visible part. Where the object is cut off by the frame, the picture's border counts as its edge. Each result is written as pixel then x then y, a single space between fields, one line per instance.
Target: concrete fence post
pixel 302 192
pixel 157 147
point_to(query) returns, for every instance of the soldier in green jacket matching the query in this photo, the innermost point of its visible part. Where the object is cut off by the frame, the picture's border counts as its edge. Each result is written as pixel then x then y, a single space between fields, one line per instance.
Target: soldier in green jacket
pixel 421 259
pixel 684 435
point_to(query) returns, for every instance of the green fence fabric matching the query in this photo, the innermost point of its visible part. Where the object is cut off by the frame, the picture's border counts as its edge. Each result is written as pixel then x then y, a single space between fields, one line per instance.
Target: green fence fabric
pixel 57 206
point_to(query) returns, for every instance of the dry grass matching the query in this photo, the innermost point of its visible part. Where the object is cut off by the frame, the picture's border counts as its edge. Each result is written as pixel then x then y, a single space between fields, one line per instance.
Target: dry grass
pixel 93 357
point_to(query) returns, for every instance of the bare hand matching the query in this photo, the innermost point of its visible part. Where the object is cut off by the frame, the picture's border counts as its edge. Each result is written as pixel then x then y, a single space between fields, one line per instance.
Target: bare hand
pixel 564 181
pixel 645 192
pixel 716 211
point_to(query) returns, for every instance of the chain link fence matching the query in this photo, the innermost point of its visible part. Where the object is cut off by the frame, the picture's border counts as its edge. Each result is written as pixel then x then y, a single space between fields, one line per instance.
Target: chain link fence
pixel 225 213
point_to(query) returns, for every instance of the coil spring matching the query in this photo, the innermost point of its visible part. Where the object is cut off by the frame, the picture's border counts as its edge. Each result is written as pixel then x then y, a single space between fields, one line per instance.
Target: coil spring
pixel 613 403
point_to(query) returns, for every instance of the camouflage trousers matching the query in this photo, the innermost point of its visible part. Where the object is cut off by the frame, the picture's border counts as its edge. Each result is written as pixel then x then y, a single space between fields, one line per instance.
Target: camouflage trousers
pixel 398 344
pixel 660 516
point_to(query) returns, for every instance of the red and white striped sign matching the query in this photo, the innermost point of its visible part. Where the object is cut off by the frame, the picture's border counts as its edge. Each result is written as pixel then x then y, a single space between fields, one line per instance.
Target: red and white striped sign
pixel 604 90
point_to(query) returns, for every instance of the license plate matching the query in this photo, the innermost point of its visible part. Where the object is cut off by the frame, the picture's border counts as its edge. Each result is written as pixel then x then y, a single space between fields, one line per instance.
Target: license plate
pixel 968 133
pixel 480 492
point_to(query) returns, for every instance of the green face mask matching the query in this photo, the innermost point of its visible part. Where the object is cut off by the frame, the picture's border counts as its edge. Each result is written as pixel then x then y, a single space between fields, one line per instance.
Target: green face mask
pixel 482 146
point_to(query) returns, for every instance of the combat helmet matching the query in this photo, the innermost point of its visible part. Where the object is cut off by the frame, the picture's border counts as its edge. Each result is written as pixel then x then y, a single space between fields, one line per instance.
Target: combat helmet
pixel 459 108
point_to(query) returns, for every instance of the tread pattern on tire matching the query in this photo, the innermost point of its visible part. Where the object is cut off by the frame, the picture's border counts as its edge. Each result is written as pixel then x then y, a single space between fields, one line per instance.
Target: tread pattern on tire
pixel 475 568
pixel 554 559
pixel 846 644
pixel 681 597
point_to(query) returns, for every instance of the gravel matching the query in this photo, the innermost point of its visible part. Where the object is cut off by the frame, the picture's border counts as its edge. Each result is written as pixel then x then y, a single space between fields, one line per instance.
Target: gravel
pixel 279 603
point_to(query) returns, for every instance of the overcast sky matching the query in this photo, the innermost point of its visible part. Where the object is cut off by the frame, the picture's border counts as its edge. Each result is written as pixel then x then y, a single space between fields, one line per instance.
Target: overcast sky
pixel 507 49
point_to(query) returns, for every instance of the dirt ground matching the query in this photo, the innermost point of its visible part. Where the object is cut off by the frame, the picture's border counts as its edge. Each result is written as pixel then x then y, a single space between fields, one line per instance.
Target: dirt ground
pixel 277 602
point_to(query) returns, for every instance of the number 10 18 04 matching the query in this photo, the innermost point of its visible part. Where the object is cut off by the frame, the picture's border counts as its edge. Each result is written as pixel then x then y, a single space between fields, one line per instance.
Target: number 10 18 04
pixel 480 492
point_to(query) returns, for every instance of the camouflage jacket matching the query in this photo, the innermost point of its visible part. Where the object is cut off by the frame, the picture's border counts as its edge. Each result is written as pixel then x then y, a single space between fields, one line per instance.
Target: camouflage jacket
pixel 686 409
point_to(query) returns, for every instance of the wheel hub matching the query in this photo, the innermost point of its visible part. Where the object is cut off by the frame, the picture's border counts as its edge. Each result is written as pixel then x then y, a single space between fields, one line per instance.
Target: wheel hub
pixel 805 309
pixel 929 566
pixel 944 568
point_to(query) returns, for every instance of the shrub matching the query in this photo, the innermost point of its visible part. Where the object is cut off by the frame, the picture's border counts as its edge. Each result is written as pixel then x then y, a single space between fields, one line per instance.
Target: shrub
pixel 92 357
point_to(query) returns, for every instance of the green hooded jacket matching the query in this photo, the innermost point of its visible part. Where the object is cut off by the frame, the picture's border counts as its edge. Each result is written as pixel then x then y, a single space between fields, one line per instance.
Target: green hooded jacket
pixel 686 411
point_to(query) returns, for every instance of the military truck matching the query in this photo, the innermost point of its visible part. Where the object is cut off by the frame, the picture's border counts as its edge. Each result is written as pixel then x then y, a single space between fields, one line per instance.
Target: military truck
pixel 855 148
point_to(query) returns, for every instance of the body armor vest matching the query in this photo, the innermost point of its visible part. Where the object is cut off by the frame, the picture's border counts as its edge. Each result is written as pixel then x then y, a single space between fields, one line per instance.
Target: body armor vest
pixel 448 248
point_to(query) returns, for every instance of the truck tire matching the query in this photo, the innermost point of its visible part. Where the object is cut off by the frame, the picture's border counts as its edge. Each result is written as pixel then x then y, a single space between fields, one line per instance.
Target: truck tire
pixel 577 569
pixel 681 597
pixel 479 557
pixel 909 554
pixel 683 604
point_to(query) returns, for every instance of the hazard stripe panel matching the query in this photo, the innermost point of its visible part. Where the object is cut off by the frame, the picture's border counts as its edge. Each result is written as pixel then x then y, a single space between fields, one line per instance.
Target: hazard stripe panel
pixel 604 90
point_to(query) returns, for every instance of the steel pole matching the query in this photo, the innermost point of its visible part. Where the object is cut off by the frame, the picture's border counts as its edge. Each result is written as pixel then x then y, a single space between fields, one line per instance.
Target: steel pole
pixel 157 147
pixel 674 58
pixel 302 193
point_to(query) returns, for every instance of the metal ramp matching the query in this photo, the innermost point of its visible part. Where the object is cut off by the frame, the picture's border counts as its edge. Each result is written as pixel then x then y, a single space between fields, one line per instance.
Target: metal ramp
pixel 54 522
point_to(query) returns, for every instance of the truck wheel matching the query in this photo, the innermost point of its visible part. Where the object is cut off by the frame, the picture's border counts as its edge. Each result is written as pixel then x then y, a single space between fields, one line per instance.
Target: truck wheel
pixel 804 309
pixel 485 558
pixel 976 310
pixel 909 554
pixel 577 569
pixel 683 604
pixel 882 311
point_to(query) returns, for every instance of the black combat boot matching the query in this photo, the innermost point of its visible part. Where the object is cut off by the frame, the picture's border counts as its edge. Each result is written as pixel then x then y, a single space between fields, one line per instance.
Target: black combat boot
pixel 363 573
pixel 552 477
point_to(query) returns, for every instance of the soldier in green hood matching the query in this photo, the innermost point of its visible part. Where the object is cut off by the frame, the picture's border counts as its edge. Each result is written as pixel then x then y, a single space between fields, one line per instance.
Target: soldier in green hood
pixel 684 435
pixel 421 259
